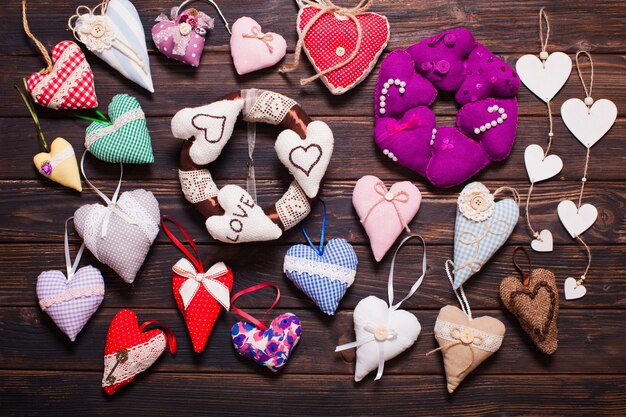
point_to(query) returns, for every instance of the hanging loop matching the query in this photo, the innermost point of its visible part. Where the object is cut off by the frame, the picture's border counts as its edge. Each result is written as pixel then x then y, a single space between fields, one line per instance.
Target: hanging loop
pixel 417 283
pixel 525 275
pixel 588 99
pixel 197 262
pixel 320 250
pixel 211 2
pixel 544 42
pixel 258 323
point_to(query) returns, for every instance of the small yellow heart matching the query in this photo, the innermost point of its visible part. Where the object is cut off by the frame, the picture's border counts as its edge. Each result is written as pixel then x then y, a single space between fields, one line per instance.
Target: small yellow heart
pixel 60 164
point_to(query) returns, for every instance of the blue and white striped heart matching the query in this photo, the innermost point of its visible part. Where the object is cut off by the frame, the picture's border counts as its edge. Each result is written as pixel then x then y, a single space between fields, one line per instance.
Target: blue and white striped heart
pixel 324 279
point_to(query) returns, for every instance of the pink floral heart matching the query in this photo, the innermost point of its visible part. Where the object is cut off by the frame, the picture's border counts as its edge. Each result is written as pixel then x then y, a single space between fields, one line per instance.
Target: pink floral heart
pixel 182 46
pixel 272 347
pixel 252 49
pixel 376 207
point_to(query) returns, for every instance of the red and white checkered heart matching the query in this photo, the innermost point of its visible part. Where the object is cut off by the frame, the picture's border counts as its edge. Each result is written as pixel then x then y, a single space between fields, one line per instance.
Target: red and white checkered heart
pixel 70 83
pixel 333 39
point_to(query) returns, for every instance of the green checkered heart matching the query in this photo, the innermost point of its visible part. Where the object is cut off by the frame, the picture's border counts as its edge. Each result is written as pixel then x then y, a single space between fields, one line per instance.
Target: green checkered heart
pixel 127 139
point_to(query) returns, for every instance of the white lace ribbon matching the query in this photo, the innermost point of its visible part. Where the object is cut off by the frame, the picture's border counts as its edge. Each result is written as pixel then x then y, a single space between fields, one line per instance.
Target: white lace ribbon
pixel 188 290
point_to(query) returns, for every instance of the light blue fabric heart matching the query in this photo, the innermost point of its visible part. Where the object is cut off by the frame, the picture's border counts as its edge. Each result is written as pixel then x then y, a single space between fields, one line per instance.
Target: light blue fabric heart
pixel 324 279
pixel 475 241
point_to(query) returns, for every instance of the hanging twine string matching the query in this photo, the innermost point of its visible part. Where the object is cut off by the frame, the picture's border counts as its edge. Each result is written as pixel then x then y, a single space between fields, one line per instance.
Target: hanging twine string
pixel 387 196
pixel 512 190
pixel 583 180
pixel 544 43
pixel 584 275
pixel 328 7
pixel 40 45
pixel 460 293
pixel 30 105
pixel 535 233
pixel 580 75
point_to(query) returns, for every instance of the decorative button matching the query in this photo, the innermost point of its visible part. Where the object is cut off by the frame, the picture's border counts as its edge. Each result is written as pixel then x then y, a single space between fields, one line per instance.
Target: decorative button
pixel 477 202
pixel 467 337
pixel 443 67
pixel 389 196
pixel 426 66
pixel 97 30
pixel 449 40
pixel 340 51
pixel 184 28
pixel 381 333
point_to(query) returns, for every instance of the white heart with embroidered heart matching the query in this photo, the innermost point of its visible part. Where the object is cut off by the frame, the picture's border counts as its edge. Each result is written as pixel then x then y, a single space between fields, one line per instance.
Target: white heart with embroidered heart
pixel 576 220
pixel 543 243
pixel 70 303
pixel 384 212
pixel 573 290
pixel 397 330
pixel 588 124
pixel 252 49
pixel 544 79
pixel 323 278
pixel 243 220
pixel 121 237
pixel 539 166
pixel 306 158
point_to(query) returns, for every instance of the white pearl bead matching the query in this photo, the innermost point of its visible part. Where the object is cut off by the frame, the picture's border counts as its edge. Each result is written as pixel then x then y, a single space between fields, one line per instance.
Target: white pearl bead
pixel 584 179
pixel 386 85
pixel 494 123
pixel 397 81
pixel 433 137
pixel 500 110
pixel 434 131
pixel 384 91
pixel 401 90
pixel 432 142
pixel 488 126
pixel 504 116
pixel 482 128
pixel 386 151
pixel 390 81
pixel 588 101
pixel 495 107
pixel 389 196
pixel 395 159
pixel 543 55
pixel 477 131
pixel 490 109
pixel 402 84
pixel 382 111
pixel 500 121
pixel 382 104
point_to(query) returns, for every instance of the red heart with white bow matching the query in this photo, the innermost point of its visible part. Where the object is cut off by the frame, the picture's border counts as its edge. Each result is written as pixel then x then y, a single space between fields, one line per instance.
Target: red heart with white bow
pixel 333 38
pixel 69 85
pixel 129 350
pixel 200 297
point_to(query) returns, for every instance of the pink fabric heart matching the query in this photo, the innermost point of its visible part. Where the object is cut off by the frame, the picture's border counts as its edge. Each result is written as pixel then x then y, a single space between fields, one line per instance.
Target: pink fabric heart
pixel 384 212
pixel 252 49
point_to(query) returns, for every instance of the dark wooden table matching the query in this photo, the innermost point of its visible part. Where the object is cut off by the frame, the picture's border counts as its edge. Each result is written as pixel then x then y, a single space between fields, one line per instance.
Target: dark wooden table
pixel 41 372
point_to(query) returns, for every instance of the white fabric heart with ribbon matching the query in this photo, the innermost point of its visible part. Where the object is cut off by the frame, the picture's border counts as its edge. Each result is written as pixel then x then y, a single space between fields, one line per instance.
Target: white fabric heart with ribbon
pixel 188 290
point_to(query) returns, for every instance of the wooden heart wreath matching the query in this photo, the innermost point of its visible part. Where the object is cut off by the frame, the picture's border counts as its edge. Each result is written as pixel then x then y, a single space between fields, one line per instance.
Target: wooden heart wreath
pixel 232 215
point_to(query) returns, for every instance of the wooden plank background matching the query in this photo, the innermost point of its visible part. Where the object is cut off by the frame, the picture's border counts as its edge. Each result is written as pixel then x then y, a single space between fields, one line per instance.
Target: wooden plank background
pixel 41 372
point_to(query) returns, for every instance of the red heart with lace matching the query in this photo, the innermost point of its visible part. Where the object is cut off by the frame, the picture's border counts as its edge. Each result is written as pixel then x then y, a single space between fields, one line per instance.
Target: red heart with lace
pixel 69 84
pixel 129 350
pixel 333 38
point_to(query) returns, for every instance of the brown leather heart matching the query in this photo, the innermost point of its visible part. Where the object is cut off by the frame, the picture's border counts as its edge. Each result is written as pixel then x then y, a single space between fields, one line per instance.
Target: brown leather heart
pixel 536 306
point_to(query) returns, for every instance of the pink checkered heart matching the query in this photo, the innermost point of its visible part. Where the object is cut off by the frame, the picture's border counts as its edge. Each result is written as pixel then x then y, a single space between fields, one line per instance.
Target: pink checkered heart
pixel 385 212
pixel 70 303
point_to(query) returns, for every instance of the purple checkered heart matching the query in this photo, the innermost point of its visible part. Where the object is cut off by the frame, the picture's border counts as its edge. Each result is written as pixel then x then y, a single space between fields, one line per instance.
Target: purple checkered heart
pixel 70 304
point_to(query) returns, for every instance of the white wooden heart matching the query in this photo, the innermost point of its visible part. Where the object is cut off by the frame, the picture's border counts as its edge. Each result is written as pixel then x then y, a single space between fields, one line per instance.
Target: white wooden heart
pixel 544 243
pixel 575 220
pixel 544 79
pixel 307 159
pixel 588 124
pixel 243 220
pixel 573 290
pixel 399 327
pixel 211 126
pixel 538 167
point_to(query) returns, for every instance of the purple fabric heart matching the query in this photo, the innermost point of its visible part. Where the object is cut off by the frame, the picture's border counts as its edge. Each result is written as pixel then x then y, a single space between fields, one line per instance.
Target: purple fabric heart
pixel 455 158
pixel 183 37
pixel 417 90
pixel 441 58
pixel 70 304
pixel 407 139
pixel 487 76
pixel 501 116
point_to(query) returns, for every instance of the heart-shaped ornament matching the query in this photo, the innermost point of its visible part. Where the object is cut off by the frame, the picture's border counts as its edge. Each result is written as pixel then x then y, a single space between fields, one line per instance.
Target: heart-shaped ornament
pixel 535 305
pixel 482 227
pixel 69 85
pixel 121 236
pixel 126 139
pixel 544 243
pixel 272 347
pixel 397 330
pixel 588 124
pixel 323 278
pixel 243 220
pixel 252 49
pixel 576 220
pixel 116 37
pixel 70 304
pixel 544 79
pixel 384 212
pixel 129 351
pixel 465 343
pixel 195 295
pixel 573 290
pixel 539 166
pixel 307 159
pixel 333 39
pixel 59 164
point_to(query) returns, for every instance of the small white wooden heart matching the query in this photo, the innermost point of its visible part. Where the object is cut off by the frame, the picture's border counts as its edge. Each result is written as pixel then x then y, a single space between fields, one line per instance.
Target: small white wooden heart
pixel 575 220
pixel 544 79
pixel 544 243
pixel 573 291
pixel 538 167
pixel 307 159
pixel 400 327
pixel 243 220
pixel 588 124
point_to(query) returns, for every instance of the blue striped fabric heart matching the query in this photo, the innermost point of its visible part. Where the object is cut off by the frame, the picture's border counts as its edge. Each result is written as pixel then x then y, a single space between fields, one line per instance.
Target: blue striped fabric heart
pixel 324 279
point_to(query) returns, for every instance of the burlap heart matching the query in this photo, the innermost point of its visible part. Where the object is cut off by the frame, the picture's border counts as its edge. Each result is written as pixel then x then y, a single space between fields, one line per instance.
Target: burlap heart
pixel 535 305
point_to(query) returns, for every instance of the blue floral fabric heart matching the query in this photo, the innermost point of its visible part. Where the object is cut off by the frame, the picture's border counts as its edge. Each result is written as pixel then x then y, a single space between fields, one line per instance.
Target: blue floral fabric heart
pixel 324 279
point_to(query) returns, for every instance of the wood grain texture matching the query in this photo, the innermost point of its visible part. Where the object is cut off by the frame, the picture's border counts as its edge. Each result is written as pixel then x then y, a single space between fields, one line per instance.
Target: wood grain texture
pixel 42 373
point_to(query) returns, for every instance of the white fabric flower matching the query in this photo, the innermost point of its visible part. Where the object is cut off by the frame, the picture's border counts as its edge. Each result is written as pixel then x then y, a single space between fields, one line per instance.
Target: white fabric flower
pixel 476 202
